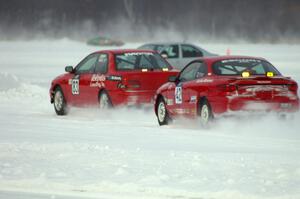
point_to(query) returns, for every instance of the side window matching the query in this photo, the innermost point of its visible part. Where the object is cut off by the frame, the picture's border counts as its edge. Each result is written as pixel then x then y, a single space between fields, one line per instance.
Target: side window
pixel 172 51
pixel 87 65
pixel 145 62
pixel 193 71
pixel 190 51
pixel 102 64
pixel 202 71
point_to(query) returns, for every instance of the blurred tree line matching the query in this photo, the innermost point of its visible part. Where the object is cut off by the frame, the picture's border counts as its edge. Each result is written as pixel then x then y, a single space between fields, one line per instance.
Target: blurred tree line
pixel 251 20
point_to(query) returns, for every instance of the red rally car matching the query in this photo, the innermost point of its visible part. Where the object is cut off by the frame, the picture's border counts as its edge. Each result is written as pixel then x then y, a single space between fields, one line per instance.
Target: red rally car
pixel 110 78
pixel 213 86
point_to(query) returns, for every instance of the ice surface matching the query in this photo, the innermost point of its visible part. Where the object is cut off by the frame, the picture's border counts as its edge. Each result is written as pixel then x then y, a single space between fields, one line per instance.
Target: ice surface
pixel 124 153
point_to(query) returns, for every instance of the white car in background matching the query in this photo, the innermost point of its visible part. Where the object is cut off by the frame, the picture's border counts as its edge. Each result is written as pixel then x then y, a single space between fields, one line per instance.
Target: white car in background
pixel 178 54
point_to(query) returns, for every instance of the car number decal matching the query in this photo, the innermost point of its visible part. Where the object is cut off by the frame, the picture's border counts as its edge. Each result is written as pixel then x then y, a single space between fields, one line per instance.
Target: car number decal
pixel 75 86
pixel 178 95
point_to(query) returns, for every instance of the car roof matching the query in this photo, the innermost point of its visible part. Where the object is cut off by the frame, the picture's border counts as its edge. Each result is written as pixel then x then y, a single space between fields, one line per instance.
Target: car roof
pixel 120 51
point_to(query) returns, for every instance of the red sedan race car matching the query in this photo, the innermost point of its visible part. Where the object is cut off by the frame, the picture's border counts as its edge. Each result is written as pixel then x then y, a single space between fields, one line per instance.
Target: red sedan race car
pixel 213 86
pixel 111 78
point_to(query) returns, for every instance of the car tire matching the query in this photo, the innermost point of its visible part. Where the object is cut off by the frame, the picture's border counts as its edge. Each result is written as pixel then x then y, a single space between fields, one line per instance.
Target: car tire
pixel 205 113
pixel 59 102
pixel 162 113
pixel 104 100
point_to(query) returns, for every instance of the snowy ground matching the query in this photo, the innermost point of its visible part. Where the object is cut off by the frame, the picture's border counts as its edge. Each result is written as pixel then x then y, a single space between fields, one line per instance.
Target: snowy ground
pixel 124 153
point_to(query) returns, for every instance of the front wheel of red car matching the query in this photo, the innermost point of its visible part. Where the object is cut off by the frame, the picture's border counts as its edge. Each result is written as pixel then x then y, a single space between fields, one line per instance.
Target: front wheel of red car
pixel 104 101
pixel 205 113
pixel 162 113
pixel 59 102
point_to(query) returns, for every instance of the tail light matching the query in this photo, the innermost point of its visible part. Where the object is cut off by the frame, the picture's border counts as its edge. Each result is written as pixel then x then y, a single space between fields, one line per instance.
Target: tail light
pixel 293 87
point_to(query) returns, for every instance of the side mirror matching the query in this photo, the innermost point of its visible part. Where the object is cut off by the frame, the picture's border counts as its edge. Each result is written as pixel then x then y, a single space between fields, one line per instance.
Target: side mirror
pixel 69 69
pixel 172 79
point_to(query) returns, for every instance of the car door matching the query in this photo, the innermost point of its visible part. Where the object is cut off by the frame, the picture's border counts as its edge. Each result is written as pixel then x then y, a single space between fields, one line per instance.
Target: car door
pixel 183 93
pixel 189 53
pixel 81 91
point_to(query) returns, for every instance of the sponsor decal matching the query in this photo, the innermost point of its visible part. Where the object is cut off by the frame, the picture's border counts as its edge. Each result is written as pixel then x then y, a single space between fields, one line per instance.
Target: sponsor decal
pixel 241 60
pixel 178 95
pixel 97 81
pixel 193 99
pixel 138 53
pixel 170 102
pixel 204 80
pixel 97 78
pixel 114 78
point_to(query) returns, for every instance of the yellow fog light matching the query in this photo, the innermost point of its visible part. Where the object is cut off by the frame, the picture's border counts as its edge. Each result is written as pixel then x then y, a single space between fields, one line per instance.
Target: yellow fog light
pixel 165 69
pixel 245 74
pixel 270 74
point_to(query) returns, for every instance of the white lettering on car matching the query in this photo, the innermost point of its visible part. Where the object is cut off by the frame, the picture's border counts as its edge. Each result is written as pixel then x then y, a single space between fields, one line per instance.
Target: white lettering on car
pixel 97 81
pixel 241 60
pixel 178 95
pixel 193 99
pixel 138 53
pixel 170 102
pixel 204 81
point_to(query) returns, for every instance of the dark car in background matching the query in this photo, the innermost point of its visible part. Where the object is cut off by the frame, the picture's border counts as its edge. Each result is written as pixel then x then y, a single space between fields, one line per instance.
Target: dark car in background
pixel 178 54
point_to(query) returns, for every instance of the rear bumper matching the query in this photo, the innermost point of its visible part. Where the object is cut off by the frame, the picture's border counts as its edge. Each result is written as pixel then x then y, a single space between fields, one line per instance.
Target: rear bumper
pixel 281 104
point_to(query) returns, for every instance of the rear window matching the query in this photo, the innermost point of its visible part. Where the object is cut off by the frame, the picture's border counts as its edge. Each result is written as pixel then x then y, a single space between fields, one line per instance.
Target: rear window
pixel 140 60
pixel 238 66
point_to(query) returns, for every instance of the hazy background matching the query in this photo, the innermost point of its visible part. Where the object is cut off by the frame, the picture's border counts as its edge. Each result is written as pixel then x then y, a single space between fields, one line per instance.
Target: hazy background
pixel 268 21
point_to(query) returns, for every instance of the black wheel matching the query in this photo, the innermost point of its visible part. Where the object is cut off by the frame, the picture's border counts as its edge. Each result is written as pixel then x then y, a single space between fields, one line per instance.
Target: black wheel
pixel 59 102
pixel 205 113
pixel 104 101
pixel 162 113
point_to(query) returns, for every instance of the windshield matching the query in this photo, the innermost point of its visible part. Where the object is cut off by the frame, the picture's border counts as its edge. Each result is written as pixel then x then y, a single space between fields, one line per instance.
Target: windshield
pixel 238 66
pixel 140 60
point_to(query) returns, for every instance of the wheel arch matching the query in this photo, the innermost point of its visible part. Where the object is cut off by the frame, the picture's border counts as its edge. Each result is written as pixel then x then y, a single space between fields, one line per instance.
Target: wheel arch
pixel 106 91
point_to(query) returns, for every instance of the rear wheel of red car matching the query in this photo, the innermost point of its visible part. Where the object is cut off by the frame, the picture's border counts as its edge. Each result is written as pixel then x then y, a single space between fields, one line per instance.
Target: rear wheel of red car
pixel 104 101
pixel 162 113
pixel 59 102
pixel 205 113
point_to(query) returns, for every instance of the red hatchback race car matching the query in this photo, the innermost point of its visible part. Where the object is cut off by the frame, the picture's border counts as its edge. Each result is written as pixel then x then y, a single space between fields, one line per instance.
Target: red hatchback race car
pixel 111 78
pixel 213 86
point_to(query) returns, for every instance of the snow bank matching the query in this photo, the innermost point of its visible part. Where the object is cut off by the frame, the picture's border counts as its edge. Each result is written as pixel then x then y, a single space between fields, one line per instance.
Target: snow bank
pixel 8 81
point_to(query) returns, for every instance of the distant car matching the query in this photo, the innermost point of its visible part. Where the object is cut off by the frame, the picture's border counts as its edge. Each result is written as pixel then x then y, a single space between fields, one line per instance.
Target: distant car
pixel 104 41
pixel 213 86
pixel 111 78
pixel 178 54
